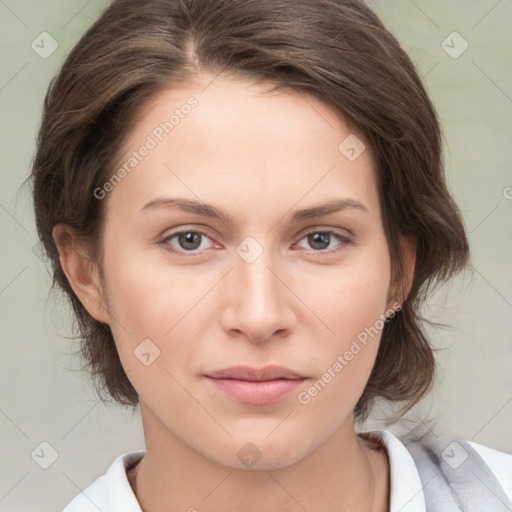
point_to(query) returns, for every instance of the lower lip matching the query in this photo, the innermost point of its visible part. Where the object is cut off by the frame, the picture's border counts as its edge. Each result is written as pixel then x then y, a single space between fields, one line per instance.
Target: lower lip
pixel 258 393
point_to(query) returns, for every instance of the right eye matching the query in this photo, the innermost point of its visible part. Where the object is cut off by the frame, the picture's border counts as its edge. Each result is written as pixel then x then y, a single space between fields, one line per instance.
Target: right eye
pixel 189 240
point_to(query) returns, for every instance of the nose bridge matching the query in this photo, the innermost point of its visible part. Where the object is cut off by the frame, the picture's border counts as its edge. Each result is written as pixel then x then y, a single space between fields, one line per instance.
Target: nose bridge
pixel 253 272
pixel 259 297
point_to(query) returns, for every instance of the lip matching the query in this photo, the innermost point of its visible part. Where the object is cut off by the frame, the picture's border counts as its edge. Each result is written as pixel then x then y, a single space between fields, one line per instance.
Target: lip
pixel 256 386
pixel 271 372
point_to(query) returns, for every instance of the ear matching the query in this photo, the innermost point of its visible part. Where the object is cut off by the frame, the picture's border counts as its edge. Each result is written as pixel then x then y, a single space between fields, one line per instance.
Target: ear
pixel 401 290
pixel 82 274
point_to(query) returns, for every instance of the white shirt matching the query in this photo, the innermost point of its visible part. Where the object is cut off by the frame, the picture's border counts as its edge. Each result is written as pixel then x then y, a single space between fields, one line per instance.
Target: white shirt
pixel 111 492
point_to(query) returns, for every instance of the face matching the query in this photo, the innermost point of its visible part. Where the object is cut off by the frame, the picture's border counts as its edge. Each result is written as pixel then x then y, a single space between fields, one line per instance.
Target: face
pixel 190 293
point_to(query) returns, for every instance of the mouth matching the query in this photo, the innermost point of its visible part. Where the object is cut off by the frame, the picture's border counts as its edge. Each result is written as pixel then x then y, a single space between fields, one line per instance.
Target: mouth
pixel 256 386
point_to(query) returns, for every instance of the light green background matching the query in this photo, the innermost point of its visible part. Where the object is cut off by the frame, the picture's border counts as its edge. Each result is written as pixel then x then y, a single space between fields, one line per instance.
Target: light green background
pixel 44 399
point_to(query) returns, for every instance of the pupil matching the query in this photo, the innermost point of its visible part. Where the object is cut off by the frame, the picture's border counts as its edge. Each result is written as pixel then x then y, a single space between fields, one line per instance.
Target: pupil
pixel 316 238
pixel 190 238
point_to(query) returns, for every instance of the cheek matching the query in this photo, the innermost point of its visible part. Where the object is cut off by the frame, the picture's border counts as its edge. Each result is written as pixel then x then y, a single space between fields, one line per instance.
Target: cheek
pixel 352 298
pixel 353 309
pixel 361 308
pixel 145 295
pixel 345 359
pixel 150 299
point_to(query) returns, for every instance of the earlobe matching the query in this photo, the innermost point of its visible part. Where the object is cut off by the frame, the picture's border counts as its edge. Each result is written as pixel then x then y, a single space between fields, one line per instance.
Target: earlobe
pixel 81 273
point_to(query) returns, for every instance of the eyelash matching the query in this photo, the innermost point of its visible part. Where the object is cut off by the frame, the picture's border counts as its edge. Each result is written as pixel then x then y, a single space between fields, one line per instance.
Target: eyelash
pixel 341 238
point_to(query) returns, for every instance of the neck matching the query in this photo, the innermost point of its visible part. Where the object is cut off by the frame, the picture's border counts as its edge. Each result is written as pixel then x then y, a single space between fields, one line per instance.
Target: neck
pixel 345 473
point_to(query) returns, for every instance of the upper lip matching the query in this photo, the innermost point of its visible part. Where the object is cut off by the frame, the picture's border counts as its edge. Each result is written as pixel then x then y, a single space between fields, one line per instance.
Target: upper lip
pixel 254 374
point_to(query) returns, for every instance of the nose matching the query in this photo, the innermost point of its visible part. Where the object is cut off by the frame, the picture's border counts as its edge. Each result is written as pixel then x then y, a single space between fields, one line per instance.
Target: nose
pixel 259 301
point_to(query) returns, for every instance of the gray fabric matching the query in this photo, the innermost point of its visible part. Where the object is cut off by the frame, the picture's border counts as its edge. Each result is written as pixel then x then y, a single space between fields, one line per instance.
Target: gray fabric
pixel 454 476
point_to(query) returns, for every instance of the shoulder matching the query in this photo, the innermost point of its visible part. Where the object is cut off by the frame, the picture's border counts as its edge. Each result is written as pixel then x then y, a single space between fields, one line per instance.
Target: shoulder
pixel 427 471
pixel 110 492
pixel 499 462
pixel 465 466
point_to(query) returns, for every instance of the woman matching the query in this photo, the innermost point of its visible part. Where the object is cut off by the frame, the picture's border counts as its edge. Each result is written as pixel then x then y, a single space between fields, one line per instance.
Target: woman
pixel 245 203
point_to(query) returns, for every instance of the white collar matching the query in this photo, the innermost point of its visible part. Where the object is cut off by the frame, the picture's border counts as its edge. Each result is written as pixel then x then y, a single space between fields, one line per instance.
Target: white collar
pixel 406 489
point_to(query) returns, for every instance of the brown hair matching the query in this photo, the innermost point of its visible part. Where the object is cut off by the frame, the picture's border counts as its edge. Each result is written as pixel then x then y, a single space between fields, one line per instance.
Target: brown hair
pixel 337 50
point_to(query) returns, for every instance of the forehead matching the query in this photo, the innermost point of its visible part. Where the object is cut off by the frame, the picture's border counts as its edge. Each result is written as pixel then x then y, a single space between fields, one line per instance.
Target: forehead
pixel 245 110
pixel 227 139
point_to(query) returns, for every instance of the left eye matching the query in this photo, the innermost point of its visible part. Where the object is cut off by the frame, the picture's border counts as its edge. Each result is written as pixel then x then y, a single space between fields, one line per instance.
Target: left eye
pixel 321 238
pixel 190 240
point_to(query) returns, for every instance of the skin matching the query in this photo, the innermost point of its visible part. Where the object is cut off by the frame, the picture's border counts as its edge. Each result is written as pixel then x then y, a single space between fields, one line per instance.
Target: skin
pixel 257 157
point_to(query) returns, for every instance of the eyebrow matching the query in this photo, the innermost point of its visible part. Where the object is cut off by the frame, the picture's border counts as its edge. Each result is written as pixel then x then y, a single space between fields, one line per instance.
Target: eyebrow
pixel 208 210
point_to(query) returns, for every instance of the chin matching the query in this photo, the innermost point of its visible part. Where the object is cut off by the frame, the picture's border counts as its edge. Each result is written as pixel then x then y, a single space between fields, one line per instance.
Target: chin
pixel 263 455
